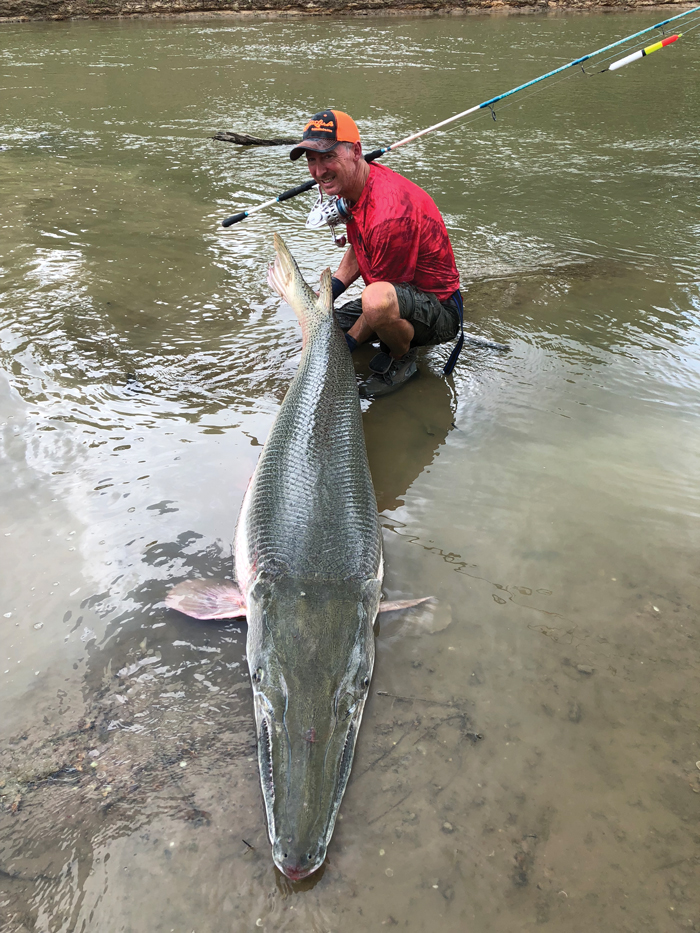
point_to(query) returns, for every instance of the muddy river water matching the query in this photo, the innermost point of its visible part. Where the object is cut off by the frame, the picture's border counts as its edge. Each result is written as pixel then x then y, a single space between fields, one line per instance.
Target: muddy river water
pixel 528 753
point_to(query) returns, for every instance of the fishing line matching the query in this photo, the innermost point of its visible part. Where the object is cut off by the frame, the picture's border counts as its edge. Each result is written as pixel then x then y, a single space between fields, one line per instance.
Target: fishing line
pixel 329 216
pixel 582 73
pixel 567 77
pixel 687 29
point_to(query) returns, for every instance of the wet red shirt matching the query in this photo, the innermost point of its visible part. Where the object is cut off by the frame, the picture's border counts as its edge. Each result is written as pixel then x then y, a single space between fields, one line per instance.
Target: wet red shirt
pixel 399 235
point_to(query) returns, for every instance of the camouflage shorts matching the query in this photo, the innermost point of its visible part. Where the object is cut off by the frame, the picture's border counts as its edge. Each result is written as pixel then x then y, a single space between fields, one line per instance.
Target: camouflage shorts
pixel 433 321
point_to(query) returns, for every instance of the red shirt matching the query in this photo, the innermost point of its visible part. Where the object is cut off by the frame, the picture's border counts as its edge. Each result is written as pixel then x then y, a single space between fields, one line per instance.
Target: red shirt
pixel 398 235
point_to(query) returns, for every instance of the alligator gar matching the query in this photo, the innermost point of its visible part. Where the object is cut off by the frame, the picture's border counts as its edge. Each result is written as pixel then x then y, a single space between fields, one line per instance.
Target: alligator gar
pixel 309 567
pixel 308 557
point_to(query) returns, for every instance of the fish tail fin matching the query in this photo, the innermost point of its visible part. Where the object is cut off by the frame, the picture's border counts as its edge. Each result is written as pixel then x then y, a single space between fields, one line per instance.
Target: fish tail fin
pixel 280 275
pixel 325 295
pixel 285 278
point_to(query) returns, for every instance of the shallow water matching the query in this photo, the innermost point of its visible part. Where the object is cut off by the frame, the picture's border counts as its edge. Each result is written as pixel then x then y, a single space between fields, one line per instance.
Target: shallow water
pixel 528 752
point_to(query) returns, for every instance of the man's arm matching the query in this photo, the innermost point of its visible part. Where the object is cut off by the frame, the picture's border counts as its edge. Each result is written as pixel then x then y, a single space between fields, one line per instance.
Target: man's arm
pixel 348 270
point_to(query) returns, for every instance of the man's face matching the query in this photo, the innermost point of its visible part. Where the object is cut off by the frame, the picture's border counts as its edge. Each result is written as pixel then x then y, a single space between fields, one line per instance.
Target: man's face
pixel 335 171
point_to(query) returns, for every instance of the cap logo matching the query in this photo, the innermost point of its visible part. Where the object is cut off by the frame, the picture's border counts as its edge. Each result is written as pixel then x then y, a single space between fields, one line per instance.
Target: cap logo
pixel 320 125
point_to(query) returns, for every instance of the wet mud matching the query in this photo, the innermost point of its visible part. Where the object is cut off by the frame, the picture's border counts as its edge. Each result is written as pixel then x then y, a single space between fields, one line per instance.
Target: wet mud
pixel 149 780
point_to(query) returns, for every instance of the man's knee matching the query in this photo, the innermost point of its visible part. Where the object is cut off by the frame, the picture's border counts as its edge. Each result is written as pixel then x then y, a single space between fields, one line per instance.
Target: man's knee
pixel 379 303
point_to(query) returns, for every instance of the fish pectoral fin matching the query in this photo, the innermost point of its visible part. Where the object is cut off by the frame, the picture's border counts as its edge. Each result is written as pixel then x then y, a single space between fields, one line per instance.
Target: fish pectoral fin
pixel 207 599
pixel 398 604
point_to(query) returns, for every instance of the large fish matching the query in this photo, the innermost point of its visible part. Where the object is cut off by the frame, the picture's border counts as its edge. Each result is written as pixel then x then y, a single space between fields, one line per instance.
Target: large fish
pixel 308 564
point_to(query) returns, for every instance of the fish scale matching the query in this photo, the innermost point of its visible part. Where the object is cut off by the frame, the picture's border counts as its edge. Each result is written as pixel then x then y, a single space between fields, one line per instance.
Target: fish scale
pixel 310 510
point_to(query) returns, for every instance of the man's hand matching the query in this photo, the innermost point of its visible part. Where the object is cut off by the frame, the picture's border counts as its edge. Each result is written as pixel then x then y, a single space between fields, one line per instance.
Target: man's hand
pixel 338 287
pixel 348 271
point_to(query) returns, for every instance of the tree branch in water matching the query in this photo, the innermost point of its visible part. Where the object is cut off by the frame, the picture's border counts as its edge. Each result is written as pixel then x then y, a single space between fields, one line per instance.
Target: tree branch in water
pixel 243 139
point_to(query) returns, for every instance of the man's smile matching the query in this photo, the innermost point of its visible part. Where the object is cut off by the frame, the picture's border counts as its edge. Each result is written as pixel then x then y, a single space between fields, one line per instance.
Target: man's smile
pixel 340 172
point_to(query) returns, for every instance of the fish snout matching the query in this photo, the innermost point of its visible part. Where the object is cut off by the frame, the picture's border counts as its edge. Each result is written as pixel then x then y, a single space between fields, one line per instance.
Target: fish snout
pixel 297 862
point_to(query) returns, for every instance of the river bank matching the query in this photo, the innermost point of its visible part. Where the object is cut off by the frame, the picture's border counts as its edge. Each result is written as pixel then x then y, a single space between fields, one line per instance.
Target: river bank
pixel 27 10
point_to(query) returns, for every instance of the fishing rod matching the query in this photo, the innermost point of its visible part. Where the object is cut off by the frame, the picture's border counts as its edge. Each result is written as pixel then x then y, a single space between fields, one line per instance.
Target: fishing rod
pixel 334 216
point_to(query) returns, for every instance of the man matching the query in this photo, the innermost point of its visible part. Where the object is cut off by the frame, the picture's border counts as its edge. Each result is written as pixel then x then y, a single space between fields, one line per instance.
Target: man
pixel 398 244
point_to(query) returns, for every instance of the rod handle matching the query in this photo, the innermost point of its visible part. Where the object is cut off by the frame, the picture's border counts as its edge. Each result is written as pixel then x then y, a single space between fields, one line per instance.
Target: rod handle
pixel 234 220
pixel 293 192
pixel 374 154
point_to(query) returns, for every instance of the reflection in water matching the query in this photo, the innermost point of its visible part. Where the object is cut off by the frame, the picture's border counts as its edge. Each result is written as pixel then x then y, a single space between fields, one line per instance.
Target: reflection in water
pixel 404 432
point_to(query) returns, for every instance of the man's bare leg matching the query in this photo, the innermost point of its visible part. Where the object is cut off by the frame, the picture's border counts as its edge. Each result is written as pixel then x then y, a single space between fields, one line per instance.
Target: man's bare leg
pixel 381 316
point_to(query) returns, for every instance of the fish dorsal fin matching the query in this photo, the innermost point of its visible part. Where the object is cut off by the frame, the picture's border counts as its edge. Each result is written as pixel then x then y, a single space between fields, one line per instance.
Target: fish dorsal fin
pixel 325 294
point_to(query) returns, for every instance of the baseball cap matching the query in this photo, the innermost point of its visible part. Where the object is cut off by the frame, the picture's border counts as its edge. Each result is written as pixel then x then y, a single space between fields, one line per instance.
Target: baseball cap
pixel 324 131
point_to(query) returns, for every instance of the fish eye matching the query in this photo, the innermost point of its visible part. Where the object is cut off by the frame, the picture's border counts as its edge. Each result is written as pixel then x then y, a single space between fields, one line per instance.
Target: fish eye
pixel 257 675
pixel 365 682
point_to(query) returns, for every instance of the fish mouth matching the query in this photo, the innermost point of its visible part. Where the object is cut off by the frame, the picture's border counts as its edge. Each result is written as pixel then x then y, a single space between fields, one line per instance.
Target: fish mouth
pixel 308 711
pixel 295 874
pixel 305 762
pixel 297 866
pixel 299 849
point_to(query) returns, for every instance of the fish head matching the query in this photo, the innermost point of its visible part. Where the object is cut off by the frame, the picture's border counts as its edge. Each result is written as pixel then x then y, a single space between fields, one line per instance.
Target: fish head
pixel 311 653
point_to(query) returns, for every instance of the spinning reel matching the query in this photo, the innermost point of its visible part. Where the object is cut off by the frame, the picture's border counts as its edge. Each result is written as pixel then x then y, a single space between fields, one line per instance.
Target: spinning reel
pixel 332 212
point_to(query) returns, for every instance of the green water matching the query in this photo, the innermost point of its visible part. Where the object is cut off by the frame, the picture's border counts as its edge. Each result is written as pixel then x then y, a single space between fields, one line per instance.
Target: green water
pixel 547 497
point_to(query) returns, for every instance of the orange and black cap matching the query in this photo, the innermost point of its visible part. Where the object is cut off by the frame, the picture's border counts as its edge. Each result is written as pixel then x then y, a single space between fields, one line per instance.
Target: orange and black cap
pixel 324 131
